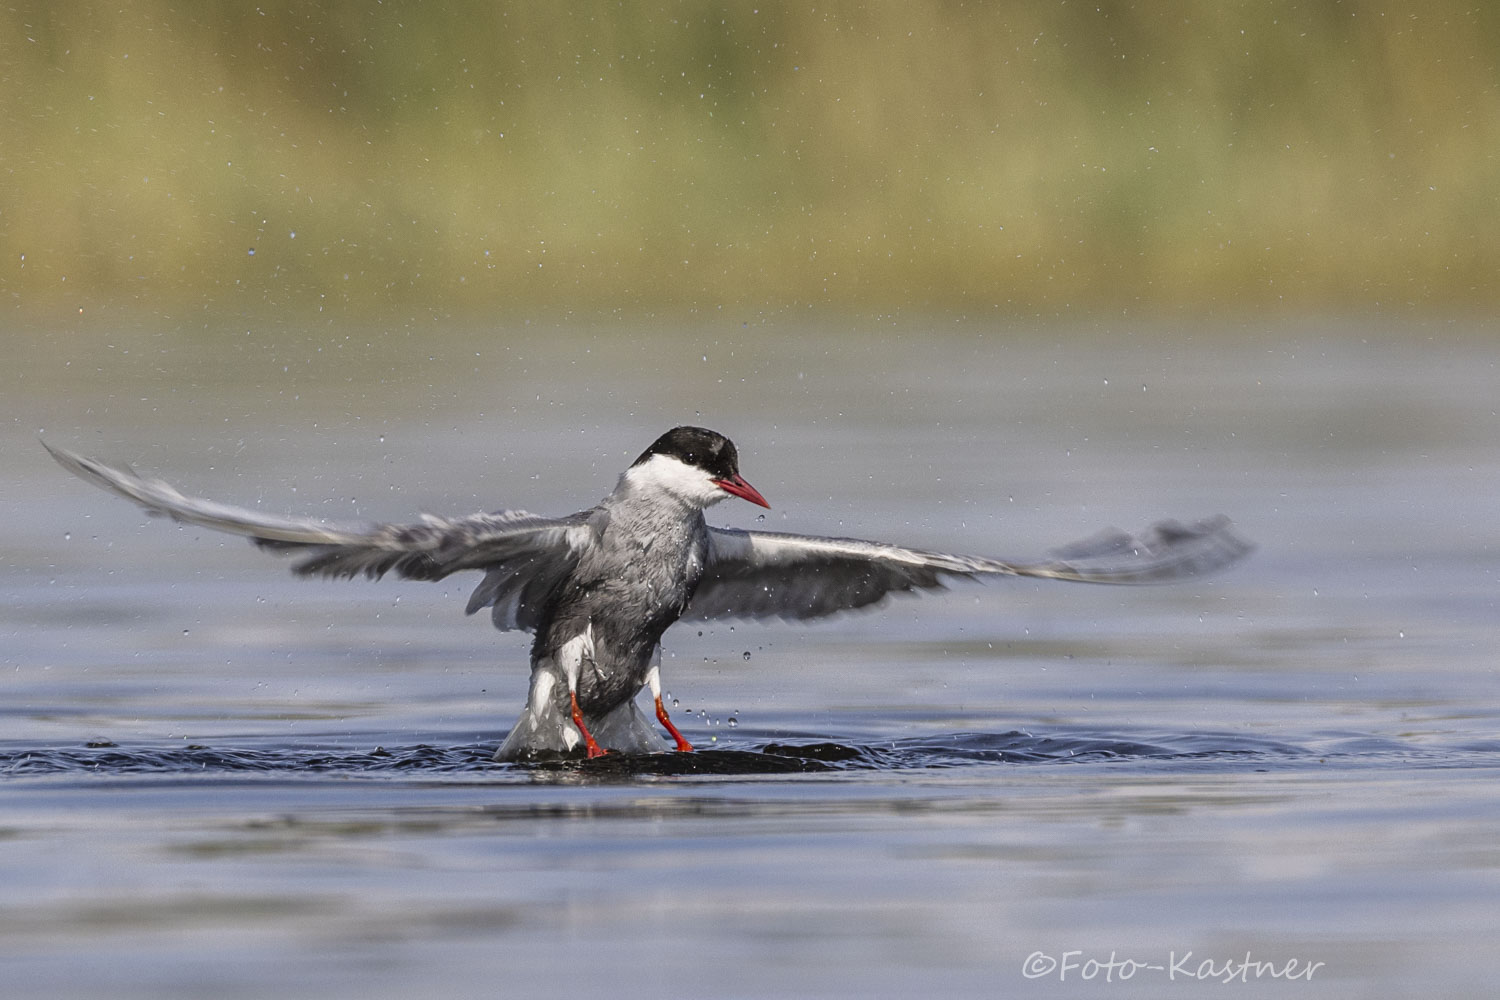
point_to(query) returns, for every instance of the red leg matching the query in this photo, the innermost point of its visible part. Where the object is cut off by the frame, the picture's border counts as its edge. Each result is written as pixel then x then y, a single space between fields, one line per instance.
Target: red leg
pixel 661 716
pixel 595 750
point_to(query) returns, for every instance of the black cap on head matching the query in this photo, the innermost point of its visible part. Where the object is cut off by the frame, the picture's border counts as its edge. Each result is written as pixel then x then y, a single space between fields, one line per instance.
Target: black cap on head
pixel 699 447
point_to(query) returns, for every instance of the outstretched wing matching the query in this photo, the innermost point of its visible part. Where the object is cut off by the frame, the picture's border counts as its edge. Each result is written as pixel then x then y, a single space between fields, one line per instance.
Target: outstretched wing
pixel 525 555
pixel 756 574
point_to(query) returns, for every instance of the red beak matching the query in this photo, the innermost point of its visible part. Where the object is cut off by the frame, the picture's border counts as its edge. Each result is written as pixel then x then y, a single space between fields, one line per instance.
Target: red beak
pixel 742 489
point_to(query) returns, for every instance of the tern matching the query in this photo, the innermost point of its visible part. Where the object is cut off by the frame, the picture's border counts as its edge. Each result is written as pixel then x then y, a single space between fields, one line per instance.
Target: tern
pixel 600 587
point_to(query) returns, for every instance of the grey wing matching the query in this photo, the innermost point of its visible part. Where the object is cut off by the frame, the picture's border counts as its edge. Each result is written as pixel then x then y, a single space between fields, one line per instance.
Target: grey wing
pixel 525 556
pixel 756 574
pixel 1166 551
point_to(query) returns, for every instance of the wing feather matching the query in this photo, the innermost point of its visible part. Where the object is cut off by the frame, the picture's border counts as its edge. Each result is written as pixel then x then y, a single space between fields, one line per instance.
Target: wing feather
pixel 524 555
pixel 756 574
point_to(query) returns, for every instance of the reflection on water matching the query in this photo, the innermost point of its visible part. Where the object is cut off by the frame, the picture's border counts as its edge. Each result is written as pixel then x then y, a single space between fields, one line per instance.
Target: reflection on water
pixel 215 779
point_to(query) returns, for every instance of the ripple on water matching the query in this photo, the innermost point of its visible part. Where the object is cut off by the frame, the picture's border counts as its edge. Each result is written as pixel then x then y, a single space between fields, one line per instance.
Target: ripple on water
pixel 746 756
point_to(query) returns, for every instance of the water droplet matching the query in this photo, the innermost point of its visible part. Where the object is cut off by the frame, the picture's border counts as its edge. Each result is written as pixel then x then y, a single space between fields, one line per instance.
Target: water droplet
pixel 747 654
pixel 676 703
pixel 68 537
pixel 184 631
pixel 252 251
pixel 760 517
pixel 733 722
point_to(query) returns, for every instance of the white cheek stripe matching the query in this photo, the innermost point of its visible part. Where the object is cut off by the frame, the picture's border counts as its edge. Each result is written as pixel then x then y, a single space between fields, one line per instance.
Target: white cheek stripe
pixel 673 476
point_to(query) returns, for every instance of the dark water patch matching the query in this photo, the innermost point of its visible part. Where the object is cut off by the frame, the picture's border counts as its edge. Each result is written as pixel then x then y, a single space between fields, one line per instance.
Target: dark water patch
pixel 1145 752
pixel 117 760
pixel 751 757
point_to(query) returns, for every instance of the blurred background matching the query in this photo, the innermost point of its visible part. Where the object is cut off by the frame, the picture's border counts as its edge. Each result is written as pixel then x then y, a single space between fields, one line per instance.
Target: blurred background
pixel 1015 158
pixel 969 277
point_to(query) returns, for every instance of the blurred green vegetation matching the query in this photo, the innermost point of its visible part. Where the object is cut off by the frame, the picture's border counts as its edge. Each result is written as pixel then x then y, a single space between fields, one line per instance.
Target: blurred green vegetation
pixel 485 154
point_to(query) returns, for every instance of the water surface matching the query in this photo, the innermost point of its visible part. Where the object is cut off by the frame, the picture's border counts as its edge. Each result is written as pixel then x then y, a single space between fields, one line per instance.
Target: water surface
pixel 219 780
